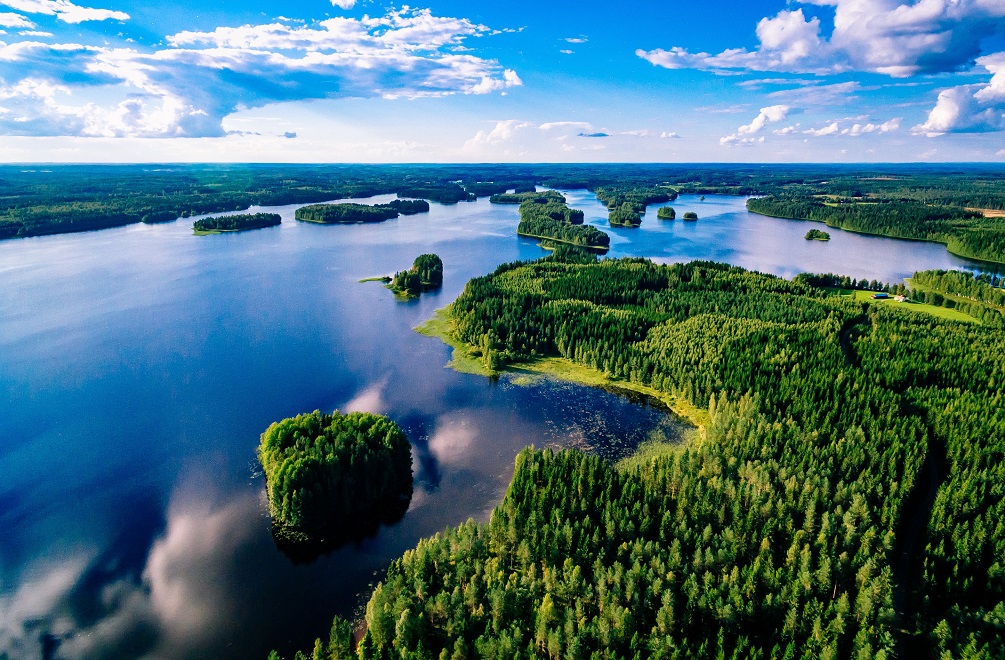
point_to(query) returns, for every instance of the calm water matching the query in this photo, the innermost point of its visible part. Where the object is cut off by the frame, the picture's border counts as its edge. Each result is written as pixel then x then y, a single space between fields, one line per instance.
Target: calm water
pixel 139 365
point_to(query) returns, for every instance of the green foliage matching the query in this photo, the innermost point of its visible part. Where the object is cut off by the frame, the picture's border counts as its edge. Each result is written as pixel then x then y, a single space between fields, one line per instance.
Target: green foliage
pixel 773 537
pixel 634 197
pixel 426 273
pixel 326 470
pixel 444 193
pixel 407 206
pixel 344 213
pixel 817 235
pixel 964 232
pixel 547 216
pixel 690 215
pixel 237 222
pixel 624 216
pixel 666 213
pixel 544 197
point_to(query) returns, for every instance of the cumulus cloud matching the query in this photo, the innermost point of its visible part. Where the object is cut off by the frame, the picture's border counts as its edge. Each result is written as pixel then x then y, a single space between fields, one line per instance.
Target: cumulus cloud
pixel 12 20
pixel 65 10
pixel 504 131
pixel 970 108
pixel 832 129
pixel 186 88
pixel 344 4
pixel 881 36
pixel 744 135
pixel 862 129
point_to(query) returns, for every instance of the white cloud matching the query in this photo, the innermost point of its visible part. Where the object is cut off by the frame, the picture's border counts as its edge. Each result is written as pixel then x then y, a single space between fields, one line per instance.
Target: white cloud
pixel 576 40
pixel 788 130
pixel 187 88
pixel 344 4
pixel 861 129
pixel 744 135
pixel 504 131
pixel 970 108
pixel 566 51
pixel 551 125
pixel 881 36
pixel 832 129
pixel 771 114
pixel 65 10
pixel 12 20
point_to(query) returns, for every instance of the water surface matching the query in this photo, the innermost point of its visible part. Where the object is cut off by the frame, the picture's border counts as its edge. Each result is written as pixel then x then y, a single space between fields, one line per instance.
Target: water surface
pixel 139 365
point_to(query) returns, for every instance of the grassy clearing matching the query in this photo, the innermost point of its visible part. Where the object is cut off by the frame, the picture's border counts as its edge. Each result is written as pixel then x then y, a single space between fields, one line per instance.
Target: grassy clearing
pixel 913 307
pixel 441 326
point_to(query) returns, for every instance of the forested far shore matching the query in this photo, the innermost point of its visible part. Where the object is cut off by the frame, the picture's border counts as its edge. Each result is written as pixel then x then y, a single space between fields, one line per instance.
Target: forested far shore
pixel 70 198
pixel 812 521
pixel 964 232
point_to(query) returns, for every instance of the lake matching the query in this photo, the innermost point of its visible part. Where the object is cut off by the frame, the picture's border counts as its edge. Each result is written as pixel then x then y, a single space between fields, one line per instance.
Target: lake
pixel 139 366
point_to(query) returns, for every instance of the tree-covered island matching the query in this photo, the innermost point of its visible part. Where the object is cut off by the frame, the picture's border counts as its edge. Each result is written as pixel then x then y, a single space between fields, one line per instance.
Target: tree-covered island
pixel 325 471
pixel 546 216
pixel 425 274
pixel 348 213
pixel 817 235
pixel 666 213
pixel 627 203
pixel 690 216
pixel 234 223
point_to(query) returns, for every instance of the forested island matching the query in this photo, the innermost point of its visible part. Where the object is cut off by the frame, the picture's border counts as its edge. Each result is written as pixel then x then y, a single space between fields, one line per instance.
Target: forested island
pixel 324 471
pixel 234 223
pixel 666 213
pixel 425 274
pixel 690 216
pixel 817 235
pixel 844 501
pixel 547 216
pixel 627 204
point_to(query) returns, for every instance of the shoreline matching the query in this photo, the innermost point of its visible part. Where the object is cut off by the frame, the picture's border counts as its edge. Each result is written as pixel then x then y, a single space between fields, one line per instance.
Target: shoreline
pixel 440 326
pixel 980 260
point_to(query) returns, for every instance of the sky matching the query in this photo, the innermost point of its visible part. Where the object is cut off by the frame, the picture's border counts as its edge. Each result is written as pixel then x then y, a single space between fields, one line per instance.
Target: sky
pixel 452 81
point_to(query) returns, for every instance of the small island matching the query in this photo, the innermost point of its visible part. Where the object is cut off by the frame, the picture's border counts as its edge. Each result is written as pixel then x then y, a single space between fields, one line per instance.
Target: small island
pixel 234 223
pixel 326 471
pixel 625 215
pixel 690 216
pixel 817 235
pixel 425 274
pixel 666 213
pixel 351 213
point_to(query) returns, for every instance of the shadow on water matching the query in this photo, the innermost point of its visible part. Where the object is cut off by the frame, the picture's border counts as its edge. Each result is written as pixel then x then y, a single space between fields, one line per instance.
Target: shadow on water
pixel 304 550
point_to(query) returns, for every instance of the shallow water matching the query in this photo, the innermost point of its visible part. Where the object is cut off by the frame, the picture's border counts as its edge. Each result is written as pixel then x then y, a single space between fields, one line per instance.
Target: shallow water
pixel 139 365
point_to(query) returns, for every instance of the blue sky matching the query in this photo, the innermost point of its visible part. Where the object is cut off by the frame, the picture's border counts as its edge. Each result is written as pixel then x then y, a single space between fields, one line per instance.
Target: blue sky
pixel 450 81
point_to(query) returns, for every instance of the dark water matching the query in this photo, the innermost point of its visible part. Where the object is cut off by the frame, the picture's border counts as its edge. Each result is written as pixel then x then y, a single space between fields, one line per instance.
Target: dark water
pixel 139 365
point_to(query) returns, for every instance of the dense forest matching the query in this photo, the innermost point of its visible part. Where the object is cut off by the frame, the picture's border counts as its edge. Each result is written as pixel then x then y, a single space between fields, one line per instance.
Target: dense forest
pixel 847 498
pixel 59 199
pixel 426 273
pixel 323 471
pixel 327 214
pixel 547 216
pixel 227 223
pixel 817 235
pixel 690 216
pixel 627 204
pixel 666 213
pixel 408 206
pixel 966 233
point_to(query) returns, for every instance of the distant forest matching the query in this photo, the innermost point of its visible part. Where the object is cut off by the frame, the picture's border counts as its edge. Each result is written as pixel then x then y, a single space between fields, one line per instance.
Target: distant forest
pixel 59 199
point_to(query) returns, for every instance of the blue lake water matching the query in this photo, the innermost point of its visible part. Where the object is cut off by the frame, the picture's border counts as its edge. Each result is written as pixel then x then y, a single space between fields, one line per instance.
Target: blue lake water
pixel 139 365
